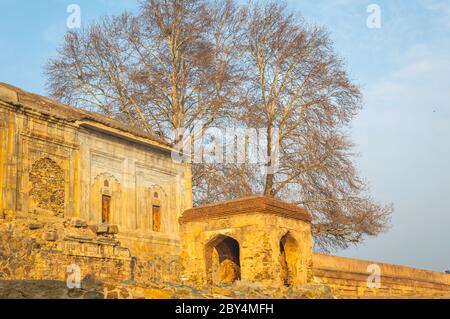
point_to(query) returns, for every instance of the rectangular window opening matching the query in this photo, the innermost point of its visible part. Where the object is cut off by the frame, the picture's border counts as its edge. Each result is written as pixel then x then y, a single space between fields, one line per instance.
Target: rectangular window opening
pixel 156 214
pixel 106 209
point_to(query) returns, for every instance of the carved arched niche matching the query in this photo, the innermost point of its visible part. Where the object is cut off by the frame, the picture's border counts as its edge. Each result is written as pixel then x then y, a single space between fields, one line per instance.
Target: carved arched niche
pixel 155 209
pixel 48 184
pixel 106 199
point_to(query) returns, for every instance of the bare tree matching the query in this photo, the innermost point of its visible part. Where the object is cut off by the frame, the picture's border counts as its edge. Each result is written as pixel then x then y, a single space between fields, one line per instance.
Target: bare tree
pixel 295 83
pixel 259 65
pixel 298 85
pixel 161 70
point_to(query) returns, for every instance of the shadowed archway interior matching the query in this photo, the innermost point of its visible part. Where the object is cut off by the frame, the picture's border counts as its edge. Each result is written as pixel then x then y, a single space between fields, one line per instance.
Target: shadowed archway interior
pixel 223 260
pixel 288 259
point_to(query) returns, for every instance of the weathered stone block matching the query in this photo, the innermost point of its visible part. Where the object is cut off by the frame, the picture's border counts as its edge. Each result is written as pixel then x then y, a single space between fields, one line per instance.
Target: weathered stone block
pixel 76 222
pixel 72 248
pixel 99 229
pixel 229 271
pixel 108 241
pixel 113 229
pixel 50 236
pixel 35 226
pixel 122 252
pixel 90 249
pixel 80 239
pixel 107 251
pixel 8 95
pixel 44 212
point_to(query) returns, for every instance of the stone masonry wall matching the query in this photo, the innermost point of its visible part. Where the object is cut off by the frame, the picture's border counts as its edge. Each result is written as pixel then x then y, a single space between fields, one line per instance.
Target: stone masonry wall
pixel 48 190
pixel 250 230
pixel 348 279
pixel 39 247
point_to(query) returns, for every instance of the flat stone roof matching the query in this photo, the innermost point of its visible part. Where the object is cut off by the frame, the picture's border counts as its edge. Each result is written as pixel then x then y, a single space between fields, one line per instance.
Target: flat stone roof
pixel 46 106
pixel 247 205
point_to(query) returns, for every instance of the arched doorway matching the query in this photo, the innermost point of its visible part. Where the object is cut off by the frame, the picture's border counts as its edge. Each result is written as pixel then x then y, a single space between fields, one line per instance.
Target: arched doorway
pixel 223 260
pixel 288 259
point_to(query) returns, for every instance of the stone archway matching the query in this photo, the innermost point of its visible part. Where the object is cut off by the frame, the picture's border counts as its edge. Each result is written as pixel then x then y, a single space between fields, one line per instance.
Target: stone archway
pixel 48 185
pixel 223 260
pixel 289 255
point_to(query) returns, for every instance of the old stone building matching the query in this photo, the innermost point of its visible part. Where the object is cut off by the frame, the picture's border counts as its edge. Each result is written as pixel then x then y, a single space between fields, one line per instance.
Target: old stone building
pixel 71 163
pixel 78 189
pixel 255 239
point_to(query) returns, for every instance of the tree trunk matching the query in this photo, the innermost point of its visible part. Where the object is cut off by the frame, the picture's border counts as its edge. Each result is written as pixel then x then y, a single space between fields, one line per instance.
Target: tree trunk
pixel 268 191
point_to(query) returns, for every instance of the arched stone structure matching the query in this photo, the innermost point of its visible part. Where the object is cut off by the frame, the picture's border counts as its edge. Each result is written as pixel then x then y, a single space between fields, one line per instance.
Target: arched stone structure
pixel 259 225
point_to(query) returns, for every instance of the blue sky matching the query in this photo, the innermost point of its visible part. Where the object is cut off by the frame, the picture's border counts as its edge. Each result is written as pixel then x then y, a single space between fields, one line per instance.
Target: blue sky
pixel 401 135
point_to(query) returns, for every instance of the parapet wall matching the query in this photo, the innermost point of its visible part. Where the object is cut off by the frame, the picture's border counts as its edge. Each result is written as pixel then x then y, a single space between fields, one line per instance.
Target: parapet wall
pixel 349 279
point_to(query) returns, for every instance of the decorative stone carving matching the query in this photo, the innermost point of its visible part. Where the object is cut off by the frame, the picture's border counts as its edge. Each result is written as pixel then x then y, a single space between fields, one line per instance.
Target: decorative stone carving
pixel 48 190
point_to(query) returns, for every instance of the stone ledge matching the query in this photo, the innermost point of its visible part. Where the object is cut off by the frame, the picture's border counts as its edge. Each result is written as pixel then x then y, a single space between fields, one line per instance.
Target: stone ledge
pixel 47 107
pixel 343 266
pixel 248 205
pixel 386 280
pixel 7 95
pixel 95 250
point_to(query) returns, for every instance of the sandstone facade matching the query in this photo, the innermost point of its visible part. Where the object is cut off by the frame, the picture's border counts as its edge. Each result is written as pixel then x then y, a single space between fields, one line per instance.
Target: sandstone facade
pixel 61 161
pixel 254 239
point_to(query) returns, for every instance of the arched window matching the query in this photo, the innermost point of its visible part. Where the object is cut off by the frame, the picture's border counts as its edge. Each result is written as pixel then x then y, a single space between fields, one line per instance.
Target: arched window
pixel 106 183
pixel 155 195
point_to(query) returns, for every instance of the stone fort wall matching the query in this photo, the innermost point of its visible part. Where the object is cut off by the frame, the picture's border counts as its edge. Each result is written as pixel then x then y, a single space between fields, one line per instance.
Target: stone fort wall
pixel 349 279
